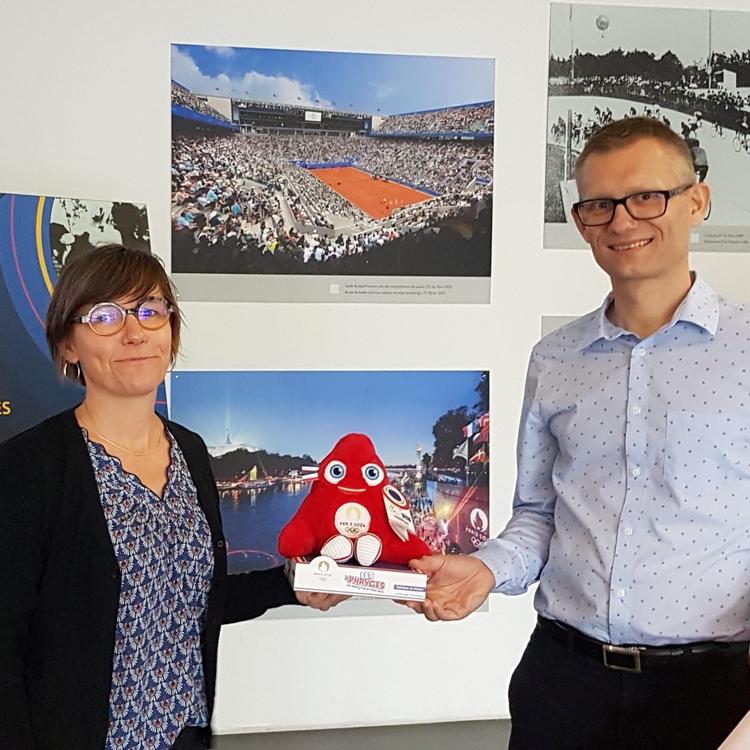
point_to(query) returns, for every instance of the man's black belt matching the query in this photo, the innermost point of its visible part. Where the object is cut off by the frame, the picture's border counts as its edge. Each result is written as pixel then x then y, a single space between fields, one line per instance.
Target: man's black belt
pixel 640 658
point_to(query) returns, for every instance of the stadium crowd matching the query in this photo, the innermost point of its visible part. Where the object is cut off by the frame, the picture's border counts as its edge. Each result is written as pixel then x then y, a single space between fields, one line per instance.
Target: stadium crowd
pixel 320 202
pixel 229 229
pixel 183 97
pixel 232 191
pixel 255 104
pixel 724 107
pixel 473 117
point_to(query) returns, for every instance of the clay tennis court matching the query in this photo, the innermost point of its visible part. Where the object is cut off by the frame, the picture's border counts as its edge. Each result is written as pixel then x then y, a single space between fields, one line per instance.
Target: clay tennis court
pixel 377 198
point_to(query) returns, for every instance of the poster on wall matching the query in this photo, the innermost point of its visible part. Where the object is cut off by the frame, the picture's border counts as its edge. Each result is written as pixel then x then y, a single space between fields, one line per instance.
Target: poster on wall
pixel 38 236
pixel 266 429
pixel 688 68
pixel 309 176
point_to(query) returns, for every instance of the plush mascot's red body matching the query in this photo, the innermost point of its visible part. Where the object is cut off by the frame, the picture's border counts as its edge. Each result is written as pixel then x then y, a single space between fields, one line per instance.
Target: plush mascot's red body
pixel 351 512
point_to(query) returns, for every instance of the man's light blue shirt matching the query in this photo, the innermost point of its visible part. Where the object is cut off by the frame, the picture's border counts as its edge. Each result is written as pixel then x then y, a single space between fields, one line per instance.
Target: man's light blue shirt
pixel 632 503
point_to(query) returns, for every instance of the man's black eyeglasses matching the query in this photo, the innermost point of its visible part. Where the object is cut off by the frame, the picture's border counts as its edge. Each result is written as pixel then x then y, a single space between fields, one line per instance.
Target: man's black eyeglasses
pixel 646 204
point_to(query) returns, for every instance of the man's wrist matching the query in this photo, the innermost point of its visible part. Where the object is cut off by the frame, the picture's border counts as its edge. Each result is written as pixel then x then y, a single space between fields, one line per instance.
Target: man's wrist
pixel 489 560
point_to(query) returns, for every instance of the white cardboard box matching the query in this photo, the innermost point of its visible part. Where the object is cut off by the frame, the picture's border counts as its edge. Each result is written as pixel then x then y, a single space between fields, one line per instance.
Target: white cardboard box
pixel 325 575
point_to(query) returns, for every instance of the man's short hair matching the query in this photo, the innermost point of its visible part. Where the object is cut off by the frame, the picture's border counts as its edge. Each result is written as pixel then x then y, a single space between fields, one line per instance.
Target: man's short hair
pixel 623 132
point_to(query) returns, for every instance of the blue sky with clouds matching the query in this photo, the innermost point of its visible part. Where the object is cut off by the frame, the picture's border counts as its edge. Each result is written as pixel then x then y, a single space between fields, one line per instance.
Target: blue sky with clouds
pixel 362 82
pixel 308 411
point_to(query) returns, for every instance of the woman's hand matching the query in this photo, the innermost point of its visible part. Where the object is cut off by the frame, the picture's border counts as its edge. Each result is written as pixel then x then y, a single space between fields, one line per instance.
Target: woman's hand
pixel 320 601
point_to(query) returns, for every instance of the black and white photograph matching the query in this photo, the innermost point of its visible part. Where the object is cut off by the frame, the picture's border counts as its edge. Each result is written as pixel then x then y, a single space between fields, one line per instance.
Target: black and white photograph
pixel 331 176
pixel 688 68
pixel 77 226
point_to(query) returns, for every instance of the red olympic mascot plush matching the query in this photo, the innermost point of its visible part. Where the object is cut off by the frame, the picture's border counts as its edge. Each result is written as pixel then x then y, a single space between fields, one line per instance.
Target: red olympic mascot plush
pixel 352 513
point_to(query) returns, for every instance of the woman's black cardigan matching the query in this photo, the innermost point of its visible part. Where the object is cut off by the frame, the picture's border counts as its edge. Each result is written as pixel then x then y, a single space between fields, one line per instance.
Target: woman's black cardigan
pixel 60 586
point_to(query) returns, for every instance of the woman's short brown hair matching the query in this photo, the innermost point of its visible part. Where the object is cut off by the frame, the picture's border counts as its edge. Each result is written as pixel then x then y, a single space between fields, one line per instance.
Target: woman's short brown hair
pixel 105 274
pixel 624 132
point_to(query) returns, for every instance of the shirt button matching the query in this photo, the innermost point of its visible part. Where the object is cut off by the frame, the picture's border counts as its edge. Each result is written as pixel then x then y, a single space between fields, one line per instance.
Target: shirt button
pixel 628 531
pixel 620 593
pixel 636 471
pixel 641 352
pixel 636 410
pixel 220 543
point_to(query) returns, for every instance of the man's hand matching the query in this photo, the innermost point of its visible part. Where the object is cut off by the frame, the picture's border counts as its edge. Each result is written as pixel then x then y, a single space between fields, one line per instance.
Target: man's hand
pixel 317 600
pixel 456 586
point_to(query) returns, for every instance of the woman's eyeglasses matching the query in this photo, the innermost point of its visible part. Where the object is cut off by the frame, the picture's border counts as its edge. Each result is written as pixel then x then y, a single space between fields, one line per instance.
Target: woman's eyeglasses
pixel 107 318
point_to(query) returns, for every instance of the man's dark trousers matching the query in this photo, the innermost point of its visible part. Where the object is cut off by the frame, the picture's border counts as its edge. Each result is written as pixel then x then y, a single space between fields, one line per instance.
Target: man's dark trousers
pixel 562 700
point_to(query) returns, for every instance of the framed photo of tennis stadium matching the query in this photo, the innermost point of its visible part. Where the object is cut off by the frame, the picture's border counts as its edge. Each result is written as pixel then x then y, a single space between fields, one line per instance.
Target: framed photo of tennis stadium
pixel 689 68
pixel 313 176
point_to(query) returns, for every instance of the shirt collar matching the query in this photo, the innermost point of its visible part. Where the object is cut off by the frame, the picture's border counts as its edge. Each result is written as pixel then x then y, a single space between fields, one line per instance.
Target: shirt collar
pixel 699 307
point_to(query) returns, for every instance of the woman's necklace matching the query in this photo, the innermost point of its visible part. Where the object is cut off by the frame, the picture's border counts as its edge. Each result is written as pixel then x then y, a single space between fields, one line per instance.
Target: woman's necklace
pixel 112 442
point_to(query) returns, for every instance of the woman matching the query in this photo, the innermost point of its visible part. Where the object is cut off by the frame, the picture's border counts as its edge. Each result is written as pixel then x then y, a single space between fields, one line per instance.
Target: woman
pixel 113 582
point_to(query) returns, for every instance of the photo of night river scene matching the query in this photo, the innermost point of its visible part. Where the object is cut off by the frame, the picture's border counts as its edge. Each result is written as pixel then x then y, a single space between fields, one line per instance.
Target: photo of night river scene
pixel 266 429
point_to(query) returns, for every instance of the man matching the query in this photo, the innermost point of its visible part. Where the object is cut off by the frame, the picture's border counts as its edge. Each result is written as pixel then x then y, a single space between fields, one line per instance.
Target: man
pixel 632 504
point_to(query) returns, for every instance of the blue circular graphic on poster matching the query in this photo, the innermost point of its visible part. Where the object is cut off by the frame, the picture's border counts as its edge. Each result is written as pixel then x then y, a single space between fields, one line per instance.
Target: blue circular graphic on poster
pixel 26 261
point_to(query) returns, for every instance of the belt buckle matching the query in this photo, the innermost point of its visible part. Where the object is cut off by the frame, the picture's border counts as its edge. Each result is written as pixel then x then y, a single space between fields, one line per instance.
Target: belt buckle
pixel 634 651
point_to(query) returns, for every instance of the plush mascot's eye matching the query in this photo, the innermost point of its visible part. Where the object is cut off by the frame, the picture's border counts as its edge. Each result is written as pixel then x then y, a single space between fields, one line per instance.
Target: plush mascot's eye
pixel 372 474
pixel 335 472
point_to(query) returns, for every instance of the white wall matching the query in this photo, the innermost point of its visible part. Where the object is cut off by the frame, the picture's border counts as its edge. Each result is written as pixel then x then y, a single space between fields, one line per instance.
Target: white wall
pixel 84 111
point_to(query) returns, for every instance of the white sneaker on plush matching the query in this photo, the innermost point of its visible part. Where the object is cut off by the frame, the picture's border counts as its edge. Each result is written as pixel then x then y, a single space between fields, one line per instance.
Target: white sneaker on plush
pixel 368 549
pixel 339 548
